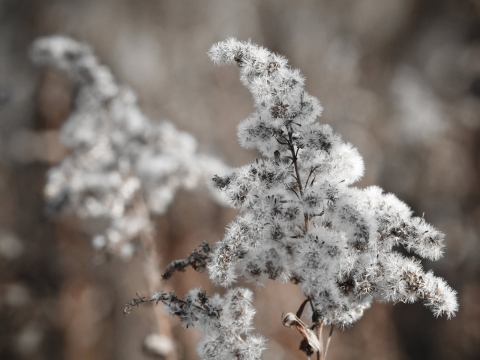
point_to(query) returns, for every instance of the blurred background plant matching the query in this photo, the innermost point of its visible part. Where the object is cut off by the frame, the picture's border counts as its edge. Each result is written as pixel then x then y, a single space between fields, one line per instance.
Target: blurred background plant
pixel 122 168
pixel 400 80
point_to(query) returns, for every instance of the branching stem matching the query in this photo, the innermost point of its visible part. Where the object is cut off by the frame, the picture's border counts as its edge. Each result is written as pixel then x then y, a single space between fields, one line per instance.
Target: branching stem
pixel 294 159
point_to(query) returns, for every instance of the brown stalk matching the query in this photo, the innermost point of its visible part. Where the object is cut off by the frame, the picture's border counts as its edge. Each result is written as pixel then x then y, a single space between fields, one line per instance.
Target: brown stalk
pixel 318 329
pixel 328 341
pixel 151 269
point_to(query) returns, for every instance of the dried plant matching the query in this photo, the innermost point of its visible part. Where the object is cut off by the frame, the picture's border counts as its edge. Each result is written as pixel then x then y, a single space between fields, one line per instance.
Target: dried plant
pixel 122 168
pixel 302 221
pixel 197 259
pixel 224 321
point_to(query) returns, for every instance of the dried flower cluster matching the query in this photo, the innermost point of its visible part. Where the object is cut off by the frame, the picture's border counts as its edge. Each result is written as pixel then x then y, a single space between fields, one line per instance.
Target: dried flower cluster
pixel 225 322
pixel 301 220
pixel 122 166
pixel 197 259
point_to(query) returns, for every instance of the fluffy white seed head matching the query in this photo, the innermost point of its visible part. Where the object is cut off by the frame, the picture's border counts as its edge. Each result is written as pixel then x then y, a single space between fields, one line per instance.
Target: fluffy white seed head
pixel 300 218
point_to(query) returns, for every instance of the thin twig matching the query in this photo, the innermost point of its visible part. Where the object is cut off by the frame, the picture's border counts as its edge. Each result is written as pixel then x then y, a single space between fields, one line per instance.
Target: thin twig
pixel 328 341
pixel 294 160
pixel 281 143
pixel 312 171
pixel 318 325
pixel 307 221
pixel 302 307
pixel 318 329
pixel 291 189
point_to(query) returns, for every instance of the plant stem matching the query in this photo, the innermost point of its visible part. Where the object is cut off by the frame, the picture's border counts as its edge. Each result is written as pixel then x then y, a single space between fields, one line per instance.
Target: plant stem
pixel 294 160
pixel 328 341
pixel 318 329
pixel 151 266
pixel 297 172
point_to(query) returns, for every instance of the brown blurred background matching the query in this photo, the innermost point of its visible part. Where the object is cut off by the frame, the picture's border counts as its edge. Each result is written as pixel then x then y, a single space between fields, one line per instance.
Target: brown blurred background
pixel 399 79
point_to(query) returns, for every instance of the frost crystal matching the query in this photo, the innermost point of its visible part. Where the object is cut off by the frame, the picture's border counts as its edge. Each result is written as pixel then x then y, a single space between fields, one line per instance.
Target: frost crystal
pixel 301 220
pixel 122 166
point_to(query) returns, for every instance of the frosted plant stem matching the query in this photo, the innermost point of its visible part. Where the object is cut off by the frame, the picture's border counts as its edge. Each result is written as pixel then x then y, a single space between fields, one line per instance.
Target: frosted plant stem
pixel 152 274
pixel 328 341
